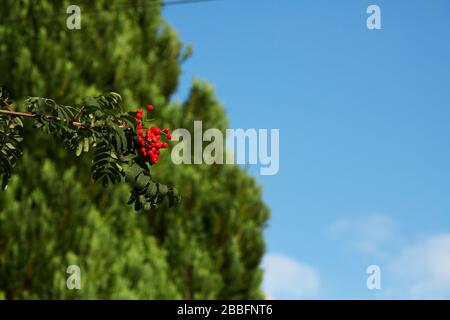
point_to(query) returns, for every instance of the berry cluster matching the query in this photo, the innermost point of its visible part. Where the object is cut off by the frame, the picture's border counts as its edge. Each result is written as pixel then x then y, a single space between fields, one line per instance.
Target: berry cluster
pixel 148 141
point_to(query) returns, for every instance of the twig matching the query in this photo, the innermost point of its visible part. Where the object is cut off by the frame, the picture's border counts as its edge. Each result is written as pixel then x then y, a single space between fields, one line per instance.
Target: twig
pixel 8 106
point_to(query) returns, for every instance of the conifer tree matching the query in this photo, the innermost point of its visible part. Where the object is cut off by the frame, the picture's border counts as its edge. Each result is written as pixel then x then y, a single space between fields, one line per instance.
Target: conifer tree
pixel 53 214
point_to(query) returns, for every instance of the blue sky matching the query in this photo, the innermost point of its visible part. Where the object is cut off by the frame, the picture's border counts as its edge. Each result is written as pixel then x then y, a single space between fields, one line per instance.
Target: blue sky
pixel 364 135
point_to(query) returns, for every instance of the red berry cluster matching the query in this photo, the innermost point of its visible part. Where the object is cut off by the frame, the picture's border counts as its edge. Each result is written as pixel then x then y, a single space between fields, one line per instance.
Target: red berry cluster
pixel 148 142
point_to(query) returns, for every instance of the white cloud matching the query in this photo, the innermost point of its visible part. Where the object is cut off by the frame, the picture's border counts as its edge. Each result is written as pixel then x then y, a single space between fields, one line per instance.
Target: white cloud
pixel 414 270
pixel 365 233
pixel 286 278
pixel 422 270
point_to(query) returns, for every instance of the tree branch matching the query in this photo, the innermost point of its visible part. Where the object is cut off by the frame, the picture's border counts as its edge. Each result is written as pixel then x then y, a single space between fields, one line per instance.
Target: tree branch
pixel 13 113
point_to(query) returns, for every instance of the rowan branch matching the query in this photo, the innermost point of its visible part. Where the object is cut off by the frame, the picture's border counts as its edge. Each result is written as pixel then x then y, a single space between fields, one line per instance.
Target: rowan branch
pixel 13 113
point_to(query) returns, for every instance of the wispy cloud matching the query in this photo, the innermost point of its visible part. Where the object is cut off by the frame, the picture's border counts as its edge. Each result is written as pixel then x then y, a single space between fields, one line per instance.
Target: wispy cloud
pixel 286 278
pixel 366 233
pixel 422 270
pixel 418 269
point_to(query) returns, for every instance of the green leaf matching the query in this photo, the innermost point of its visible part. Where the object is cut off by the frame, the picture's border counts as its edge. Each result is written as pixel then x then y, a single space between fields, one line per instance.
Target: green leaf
pixel 86 145
pixel 163 189
pixel 138 205
pixel 142 182
pixel 10 146
pixel 79 149
pixel 91 102
pixel 131 199
pixel 151 190
pixel 132 173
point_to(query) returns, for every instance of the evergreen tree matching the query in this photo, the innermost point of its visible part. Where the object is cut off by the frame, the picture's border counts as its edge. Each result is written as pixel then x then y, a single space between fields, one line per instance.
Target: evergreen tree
pixel 52 215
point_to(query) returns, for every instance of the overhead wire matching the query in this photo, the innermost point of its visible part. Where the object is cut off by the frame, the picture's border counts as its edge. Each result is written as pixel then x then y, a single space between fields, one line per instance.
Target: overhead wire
pixel 123 6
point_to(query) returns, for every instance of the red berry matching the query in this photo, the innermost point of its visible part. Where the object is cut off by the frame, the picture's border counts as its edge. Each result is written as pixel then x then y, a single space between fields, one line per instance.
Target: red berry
pixel 166 130
pixel 139 115
pixel 149 107
pixel 169 136
pixel 140 132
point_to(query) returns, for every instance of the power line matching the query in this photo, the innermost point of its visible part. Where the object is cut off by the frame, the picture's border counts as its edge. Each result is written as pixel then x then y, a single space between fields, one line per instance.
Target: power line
pixel 178 2
pixel 125 6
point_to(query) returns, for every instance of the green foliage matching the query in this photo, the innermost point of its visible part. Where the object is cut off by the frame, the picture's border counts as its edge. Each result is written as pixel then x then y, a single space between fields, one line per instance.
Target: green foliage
pixel 214 237
pixel 105 165
pixel 10 148
pixel 208 246
pixel 10 141
pixel 118 259
pixel 147 193
pixel 98 123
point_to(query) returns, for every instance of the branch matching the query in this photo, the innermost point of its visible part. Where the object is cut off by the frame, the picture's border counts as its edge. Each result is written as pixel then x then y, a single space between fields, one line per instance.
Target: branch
pixel 13 113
